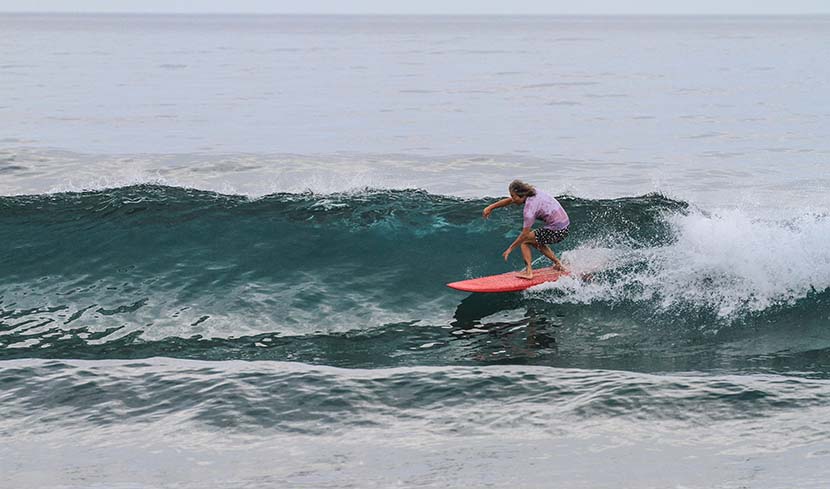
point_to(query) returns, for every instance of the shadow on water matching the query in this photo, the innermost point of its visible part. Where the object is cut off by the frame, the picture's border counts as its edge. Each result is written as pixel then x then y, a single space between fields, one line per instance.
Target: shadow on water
pixel 475 307
pixel 505 328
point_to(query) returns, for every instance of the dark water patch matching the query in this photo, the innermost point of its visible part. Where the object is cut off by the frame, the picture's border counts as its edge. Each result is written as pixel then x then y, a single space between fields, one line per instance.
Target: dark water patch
pixel 11 168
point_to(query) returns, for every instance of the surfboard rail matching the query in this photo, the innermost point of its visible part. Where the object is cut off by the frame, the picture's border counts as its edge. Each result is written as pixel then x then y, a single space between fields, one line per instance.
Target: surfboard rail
pixel 507 282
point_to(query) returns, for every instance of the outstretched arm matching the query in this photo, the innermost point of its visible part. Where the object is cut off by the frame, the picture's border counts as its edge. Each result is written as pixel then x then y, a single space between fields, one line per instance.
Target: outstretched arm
pixel 496 205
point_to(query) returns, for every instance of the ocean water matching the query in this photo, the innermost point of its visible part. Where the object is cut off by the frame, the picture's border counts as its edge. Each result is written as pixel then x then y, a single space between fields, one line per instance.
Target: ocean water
pixel 225 241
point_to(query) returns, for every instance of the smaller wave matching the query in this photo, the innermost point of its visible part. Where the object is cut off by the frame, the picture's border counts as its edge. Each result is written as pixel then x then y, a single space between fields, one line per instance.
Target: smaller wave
pixel 286 397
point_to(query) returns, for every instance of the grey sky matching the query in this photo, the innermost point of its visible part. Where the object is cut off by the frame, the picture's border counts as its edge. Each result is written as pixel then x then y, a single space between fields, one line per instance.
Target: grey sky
pixel 562 7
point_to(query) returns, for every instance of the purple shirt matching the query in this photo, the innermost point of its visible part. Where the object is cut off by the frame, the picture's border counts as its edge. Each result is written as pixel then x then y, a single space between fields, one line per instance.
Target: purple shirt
pixel 545 207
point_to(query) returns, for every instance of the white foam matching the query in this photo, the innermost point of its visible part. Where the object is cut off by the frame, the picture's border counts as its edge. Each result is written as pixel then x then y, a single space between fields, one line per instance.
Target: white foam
pixel 103 182
pixel 728 262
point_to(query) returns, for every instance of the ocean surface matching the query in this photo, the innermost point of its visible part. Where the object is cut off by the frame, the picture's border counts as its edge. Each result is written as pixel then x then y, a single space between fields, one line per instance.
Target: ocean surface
pixel 224 244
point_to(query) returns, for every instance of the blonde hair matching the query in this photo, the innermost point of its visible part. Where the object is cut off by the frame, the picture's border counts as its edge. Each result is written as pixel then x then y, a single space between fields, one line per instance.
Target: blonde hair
pixel 522 189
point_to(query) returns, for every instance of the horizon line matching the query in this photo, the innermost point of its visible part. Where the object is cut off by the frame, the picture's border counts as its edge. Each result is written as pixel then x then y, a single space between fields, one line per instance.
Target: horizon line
pixel 426 14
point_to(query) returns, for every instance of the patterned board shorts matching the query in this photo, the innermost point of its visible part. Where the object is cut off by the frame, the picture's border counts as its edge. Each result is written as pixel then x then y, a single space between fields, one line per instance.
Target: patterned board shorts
pixel 546 236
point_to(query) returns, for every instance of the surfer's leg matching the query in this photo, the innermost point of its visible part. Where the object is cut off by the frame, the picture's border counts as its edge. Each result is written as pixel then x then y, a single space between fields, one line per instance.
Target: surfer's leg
pixel 528 273
pixel 548 252
pixel 546 237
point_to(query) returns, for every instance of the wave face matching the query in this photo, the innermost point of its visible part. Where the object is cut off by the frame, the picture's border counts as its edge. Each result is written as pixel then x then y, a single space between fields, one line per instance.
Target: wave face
pixel 357 280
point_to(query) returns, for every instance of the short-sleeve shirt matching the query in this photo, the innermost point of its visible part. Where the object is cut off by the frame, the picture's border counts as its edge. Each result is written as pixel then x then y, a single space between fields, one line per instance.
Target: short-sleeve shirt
pixel 545 207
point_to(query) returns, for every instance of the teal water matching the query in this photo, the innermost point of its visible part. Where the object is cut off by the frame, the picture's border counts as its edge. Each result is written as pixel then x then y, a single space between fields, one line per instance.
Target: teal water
pixel 148 271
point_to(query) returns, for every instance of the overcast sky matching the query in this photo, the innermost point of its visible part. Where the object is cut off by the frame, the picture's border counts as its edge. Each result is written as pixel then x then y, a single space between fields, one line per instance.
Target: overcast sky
pixel 562 7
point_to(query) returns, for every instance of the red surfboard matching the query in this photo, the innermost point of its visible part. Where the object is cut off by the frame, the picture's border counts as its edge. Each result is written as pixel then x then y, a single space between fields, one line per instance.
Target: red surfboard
pixel 508 282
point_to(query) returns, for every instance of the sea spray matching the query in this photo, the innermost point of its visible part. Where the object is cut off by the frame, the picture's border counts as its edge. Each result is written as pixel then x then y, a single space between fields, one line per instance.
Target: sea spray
pixel 724 261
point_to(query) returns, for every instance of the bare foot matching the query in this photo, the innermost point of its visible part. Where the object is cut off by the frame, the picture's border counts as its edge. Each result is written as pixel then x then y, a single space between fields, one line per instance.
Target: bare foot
pixel 525 275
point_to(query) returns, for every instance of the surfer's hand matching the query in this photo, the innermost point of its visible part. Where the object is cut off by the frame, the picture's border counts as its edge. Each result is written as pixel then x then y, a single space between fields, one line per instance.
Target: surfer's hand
pixel 487 212
pixel 506 253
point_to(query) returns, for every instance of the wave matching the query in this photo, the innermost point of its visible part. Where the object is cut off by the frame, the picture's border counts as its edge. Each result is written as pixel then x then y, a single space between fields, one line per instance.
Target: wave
pixel 255 413
pixel 242 397
pixel 107 273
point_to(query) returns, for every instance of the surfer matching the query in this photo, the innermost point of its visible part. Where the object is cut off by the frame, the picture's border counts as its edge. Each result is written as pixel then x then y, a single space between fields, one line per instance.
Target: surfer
pixel 537 205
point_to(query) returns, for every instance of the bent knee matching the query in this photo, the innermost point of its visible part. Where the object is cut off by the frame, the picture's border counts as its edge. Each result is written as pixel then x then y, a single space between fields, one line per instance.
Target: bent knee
pixel 531 240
